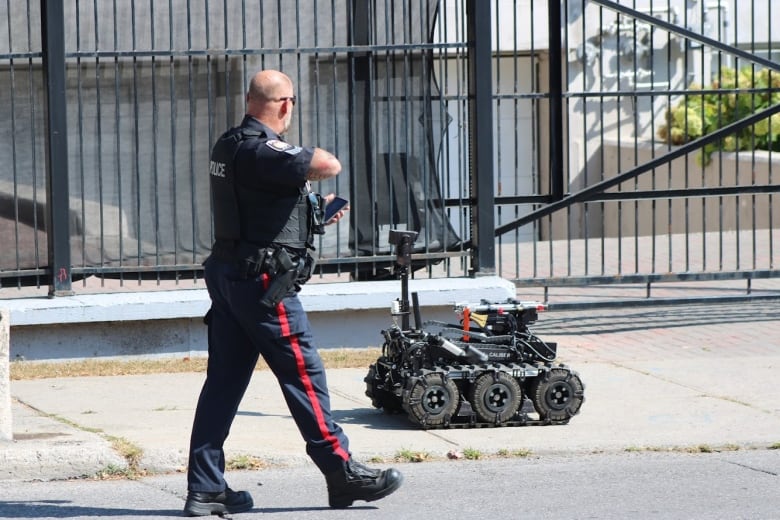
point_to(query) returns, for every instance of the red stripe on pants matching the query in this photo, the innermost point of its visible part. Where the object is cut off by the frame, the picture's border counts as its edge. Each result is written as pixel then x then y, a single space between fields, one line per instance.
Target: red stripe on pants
pixel 304 375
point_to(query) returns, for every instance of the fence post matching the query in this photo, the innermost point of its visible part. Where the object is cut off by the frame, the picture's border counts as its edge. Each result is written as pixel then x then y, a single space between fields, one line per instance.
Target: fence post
pixel 6 430
pixel 556 100
pixel 57 190
pixel 480 61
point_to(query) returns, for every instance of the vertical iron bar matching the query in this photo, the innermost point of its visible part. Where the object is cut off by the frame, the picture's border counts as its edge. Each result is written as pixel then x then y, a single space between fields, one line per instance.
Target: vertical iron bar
pixel 173 116
pixel 687 58
pixel 721 104
pixel 191 103
pixel 57 193
pixel 554 22
pixel 620 205
pixel 702 173
pixel 736 162
pixel 481 136
pixel 499 166
pixel 753 201
pixel 771 244
pixel 80 119
pixel 583 218
pixel 99 139
pixel 335 105
pixel 567 218
pixel 14 164
pixel 516 107
pixel 33 117
pixel 584 222
pixel 136 177
pixel 155 152
pixel 638 206
pixel 226 42
pixel 602 208
pixel 669 177
pixel 118 140
pixel 536 230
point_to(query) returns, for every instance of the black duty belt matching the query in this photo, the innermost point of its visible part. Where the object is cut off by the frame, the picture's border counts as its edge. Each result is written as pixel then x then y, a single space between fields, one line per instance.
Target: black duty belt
pixel 253 260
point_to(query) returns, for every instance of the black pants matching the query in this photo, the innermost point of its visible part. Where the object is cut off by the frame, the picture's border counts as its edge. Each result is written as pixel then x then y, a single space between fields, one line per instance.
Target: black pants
pixel 239 330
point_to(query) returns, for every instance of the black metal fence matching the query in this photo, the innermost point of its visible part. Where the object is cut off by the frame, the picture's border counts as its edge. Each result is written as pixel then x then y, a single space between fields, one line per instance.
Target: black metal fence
pixel 144 88
pixel 653 141
pixel 528 138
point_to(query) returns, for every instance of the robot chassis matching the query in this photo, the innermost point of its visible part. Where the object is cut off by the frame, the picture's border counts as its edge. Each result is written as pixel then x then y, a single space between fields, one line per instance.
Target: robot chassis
pixel 490 370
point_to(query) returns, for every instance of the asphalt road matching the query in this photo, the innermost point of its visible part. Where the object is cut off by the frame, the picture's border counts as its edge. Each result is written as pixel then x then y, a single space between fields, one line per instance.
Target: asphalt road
pixel 729 485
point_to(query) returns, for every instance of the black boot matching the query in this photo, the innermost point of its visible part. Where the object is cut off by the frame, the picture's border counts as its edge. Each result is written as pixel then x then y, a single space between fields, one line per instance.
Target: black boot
pixel 228 501
pixel 357 482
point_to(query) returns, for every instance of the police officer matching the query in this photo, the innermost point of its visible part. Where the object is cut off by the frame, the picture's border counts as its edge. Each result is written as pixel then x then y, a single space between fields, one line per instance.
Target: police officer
pixel 265 219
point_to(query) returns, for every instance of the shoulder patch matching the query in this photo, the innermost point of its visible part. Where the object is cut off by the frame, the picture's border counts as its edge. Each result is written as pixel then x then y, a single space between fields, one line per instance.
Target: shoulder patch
pixel 281 146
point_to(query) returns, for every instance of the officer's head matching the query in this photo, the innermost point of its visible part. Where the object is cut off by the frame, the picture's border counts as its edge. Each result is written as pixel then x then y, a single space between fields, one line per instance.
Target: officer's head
pixel 270 99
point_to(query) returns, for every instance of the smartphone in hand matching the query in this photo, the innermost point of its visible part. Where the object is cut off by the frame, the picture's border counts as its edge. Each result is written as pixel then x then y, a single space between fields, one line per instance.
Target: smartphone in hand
pixel 334 207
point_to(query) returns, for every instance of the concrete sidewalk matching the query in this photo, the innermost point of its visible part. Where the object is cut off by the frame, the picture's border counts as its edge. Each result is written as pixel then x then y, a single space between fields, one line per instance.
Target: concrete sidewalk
pixel 690 376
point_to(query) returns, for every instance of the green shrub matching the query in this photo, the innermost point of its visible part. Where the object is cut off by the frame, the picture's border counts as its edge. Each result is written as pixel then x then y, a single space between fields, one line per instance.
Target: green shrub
pixel 699 114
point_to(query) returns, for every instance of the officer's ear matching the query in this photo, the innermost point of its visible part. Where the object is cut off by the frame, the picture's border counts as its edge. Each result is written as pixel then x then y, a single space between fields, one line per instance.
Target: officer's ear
pixel 285 108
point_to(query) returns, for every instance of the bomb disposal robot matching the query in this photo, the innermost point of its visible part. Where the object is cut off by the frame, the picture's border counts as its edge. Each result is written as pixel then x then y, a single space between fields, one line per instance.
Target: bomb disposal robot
pixel 488 370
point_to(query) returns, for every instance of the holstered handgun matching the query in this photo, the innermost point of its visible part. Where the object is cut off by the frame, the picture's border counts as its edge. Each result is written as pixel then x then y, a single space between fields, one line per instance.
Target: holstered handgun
pixel 283 272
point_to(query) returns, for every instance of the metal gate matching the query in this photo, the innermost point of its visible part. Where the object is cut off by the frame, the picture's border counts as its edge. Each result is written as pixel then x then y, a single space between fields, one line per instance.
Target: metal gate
pixel 656 147
pixel 557 144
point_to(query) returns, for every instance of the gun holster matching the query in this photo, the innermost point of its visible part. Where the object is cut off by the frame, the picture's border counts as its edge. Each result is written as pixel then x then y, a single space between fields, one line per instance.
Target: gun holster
pixel 283 272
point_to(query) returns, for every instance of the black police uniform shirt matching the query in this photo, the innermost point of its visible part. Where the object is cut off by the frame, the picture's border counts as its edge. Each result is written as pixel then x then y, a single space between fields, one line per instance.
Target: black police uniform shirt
pixel 274 167
pixel 276 172
pixel 272 162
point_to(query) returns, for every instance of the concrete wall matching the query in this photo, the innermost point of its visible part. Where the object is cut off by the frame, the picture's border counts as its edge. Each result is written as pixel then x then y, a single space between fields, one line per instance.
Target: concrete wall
pixel 6 431
pixel 169 323
pixel 186 337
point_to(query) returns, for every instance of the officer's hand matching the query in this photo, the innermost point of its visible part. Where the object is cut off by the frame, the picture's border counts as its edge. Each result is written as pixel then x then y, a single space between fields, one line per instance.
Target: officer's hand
pixel 336 217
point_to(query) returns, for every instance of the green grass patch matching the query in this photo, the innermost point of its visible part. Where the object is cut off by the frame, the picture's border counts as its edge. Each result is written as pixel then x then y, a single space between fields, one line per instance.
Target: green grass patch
pixel 112 472
pixel 520 453
pixel 406 455
pixel 128 451
pixel 245 462
pixel 472 454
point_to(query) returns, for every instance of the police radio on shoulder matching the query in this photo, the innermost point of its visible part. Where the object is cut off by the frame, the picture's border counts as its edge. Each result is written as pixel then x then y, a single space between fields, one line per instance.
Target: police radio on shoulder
pixel 334 207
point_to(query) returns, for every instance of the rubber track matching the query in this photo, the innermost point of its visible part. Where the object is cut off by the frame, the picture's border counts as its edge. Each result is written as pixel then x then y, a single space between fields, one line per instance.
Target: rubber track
pixel 467 421
pixel 468 424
